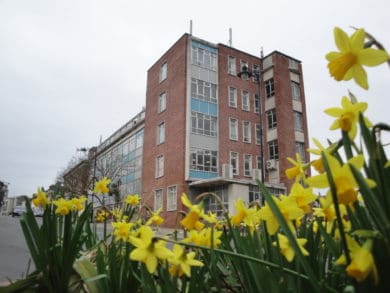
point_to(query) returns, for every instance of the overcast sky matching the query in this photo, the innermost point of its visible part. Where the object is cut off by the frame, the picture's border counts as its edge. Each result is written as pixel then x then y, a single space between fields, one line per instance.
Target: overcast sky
pixel 74 70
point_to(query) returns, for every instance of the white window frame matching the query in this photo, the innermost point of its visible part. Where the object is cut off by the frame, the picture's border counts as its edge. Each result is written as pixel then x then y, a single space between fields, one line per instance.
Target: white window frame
pixel 256 99
pixel 246 132
pixel 232 99
pixel 232 67
pixel 245 100
pixel 236 169
pixel 158 203
pixel 163 71
pixel 162 102
pixel 269 85
pixel 298 121
pixel 161 133
pixel 172 198
pixel 242 64
pixel 258 133
pixel 233 126
pixel 273 150
pixel 248 159
pixel 295 91
pixel 272 122
pixel 300 149
pixel 159 166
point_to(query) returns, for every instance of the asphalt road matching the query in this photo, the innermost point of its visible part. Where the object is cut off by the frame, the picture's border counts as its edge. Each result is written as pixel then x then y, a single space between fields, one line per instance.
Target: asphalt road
pixel 14 254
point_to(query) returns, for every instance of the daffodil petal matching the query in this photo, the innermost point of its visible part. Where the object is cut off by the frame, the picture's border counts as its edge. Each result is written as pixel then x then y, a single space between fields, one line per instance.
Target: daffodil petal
pixel 334 112
pixel 372 57
pixel 360 76
pixel 357 40
pixel 332 55
pixel 341 39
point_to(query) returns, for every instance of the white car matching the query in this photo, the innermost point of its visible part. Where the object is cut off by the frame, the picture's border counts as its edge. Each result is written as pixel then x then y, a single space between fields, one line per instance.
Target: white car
pixel 18 211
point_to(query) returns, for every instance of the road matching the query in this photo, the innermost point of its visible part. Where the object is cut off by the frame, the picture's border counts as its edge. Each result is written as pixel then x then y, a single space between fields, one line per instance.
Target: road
pixel 14 254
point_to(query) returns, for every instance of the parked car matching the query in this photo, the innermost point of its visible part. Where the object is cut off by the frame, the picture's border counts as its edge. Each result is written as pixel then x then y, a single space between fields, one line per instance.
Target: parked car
pixel 38 212
pixel 18 211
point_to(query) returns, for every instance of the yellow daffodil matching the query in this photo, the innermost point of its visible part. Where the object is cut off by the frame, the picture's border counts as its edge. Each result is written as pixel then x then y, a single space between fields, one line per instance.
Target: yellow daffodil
pixel 347 116
pixel 289 209
pixel 155 218
pixel 346 185
pixel 63 206
pixel 317 164
pixel 78 203
pixel 132 200
pixel 101 187
pixel 298 171
pixel 287 250
pixel 101 216
pixel 348 63
pixel 182 261
pixel 362 261
pixel 149 251
pixel 122 230
pixel 249 216
pixel 206 237
pixel 195 213
pixel 40 200
pixel 303 196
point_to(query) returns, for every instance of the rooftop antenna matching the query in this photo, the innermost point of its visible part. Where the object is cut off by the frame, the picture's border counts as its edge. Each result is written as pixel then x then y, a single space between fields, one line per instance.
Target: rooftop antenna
pixel 261 52
pixel 230 37
pixel 191 27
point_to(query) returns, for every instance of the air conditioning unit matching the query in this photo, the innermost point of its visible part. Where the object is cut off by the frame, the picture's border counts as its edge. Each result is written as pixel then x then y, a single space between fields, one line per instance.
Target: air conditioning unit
pixel 227 171
pixel 271 165
pixel 256 174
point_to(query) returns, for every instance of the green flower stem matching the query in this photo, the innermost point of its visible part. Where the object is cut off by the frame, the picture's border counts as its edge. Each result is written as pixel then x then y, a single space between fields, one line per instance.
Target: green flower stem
pixel 239 255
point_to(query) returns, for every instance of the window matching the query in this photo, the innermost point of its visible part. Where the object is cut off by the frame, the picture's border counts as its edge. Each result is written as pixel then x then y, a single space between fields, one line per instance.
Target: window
pixel 300 149
pixel 203 124
pixel 255 69
pixel 256 105
pixel 232 97
pixel 163 71
pixel 204 58
pixel 233 129
pixel 232 65
pixel 158 199
pixel 259 163
pixel 269 87
pixel 234 162
pixel 255 194
pixel 160 166
pixel 161 133
pixel 295 91
pixel 298 121
pixel 245 100
pixel 243 64
pixel 258 133
pixel 293 64
pixel 213 205
pixel 162 102
pixel 203 90
pixel 172 198
pixel 273 150
pixel 248 165
pixel 246 131
pixel 203 160
pixel 271 119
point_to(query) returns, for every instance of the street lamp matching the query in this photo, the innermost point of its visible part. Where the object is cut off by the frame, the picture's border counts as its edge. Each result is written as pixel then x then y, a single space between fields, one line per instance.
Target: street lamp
pixel 246 73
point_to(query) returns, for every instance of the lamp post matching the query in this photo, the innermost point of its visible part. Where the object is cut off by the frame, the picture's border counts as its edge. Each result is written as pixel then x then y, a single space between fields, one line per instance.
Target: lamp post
pixel 246 73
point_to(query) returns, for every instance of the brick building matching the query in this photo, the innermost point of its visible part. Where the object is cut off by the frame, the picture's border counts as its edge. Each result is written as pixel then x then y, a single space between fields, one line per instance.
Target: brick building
pixel 202 129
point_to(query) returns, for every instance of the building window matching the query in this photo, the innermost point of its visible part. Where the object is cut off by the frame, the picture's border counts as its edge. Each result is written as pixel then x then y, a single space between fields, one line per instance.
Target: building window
pixel 256 105
pixel 248 165
pixel 232 65
pixel 172 198
pixel 269 87
pixel 292 64
pixel 161 133
pixel 203 124
pixel 160 166
pixel 233 129
pixel 243 64
pixel 298 121
pixel 271 119
pixel 245 100
pixel 162 102
pixel 213 205
pixel 234 162
pixel 158 199
pixel 204 58
pixel 258 133
pixel 255 68
pixel 203 90
pixel 163 71
pixel 203 160
pixel 273 150
pixel 232 97
pixel 258 163
pixel 300 149
pixel 246 131
pixel 295 91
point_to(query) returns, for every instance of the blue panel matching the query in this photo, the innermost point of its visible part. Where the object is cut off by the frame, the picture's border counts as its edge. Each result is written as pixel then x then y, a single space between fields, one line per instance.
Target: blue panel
pixel 195 105
pixel 213 109
pixel 204 107
pixel 202 174
pixel 203 46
